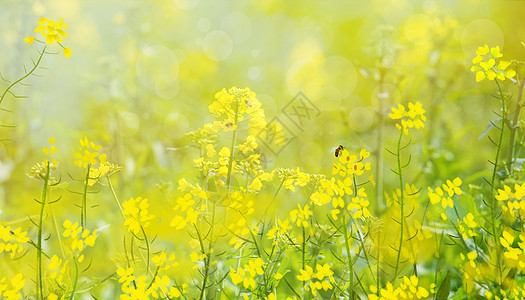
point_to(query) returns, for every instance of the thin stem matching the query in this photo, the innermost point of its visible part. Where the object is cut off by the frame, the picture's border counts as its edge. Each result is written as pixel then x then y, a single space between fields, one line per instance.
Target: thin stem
pixel 304 258
pixel 115 196
pixel 378 262
pixel 232 149
pixel 493 179
pixel 25 76
pixel 83 212
pixel 147 246
pixel 39 239
pixel 401 201
pixel 350 265
pixel 513 131
pixel 76 279
pixel 380 137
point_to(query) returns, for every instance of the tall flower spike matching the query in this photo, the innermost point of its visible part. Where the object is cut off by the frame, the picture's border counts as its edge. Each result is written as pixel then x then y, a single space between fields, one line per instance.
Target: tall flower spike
pixel 486 65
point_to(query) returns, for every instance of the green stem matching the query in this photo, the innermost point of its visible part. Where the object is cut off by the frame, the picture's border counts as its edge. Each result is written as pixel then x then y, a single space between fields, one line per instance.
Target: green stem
pixel 83 212
pixel 76 280
pixel 39 239
pixel 513 131
pixel 147 246
pixel 380 137
pixel 401 202
pixel 378 263
pixel 25 76
pixel 493 200
pixel 115 196
pixel 350 265
pixel 232 149
pixel 303 258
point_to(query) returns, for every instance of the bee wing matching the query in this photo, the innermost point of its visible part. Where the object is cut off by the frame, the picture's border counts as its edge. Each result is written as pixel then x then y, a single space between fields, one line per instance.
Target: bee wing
pixel 333 150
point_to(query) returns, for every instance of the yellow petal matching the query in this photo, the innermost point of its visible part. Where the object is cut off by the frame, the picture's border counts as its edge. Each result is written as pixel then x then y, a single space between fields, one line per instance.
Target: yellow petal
pixel 480 76
pixel 62 33
pixel 67 52
pixel 477 59
pixel 29 40
pixel 491 75
pixel 503 64
pixel 42 21
pixel 51 140
pixel 510 73
pixel 488 64
pixel 495 51
pixel 483 50
pixel 62 22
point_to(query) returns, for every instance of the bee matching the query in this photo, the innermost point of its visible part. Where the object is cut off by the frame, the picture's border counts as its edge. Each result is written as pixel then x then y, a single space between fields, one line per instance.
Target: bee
pixel 337 150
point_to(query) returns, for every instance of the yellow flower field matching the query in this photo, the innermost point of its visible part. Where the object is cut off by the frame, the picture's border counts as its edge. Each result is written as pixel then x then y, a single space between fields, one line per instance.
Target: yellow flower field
pixel 268 150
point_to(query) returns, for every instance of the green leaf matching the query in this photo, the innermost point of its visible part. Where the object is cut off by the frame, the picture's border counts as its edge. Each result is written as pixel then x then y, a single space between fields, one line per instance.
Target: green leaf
pixel 444 289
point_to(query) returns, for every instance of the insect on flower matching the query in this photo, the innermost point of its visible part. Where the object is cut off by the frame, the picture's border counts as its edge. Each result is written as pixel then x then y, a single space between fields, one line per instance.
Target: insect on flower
pixel 337 150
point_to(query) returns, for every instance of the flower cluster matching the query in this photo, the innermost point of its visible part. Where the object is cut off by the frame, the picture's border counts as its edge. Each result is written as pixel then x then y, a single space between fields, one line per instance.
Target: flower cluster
pixel 235 104
pixel 467 227
pixel 485 65
pixel 248 273
pixel 137 214
pixel 408 289
pixel 57 268
pixel 438 195
pixel 507 194
pixel 300 215
pixel 321 279
pixel 11 290
pixel 414 117
pixel 279 233
pixel 351 164
pixel 39 170
pixel 10 240
pixel 52 31
pixel 514 256
pixel 184 208
pixel 77 236
pixel 140 287
pixel 291 178
pixel 334 190
pixel 88 154
pixel 164 262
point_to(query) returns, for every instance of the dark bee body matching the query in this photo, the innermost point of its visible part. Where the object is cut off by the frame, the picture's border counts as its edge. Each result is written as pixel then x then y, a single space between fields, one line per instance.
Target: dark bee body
pixel 338 150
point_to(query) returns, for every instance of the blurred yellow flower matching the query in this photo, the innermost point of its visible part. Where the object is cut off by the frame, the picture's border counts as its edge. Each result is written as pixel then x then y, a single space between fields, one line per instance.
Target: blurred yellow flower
pixel 485 65
pixel 137 214
pixel 88 153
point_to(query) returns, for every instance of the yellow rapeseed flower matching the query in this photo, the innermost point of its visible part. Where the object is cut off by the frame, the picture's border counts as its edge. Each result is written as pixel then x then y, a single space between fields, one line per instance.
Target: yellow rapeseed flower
pixel 51 31
pixel 485 65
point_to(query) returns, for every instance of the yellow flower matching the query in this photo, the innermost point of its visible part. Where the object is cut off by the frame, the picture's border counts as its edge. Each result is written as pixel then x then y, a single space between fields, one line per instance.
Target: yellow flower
pixel 29 40
pixel 301 215
pixel 52 149
pixel 235 105
pixel 88 154
pixel 137 214
pixel 52 31
pixel 414 117
pixel 67 52
pixel 485 65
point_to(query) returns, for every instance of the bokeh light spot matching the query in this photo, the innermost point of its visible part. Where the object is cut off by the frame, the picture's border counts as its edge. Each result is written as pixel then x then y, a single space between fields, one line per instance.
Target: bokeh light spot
pixel 217 45
pixel 419 29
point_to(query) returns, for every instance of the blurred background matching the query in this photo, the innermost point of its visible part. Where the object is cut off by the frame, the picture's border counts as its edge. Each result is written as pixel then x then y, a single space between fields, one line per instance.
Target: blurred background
pixel 143 73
